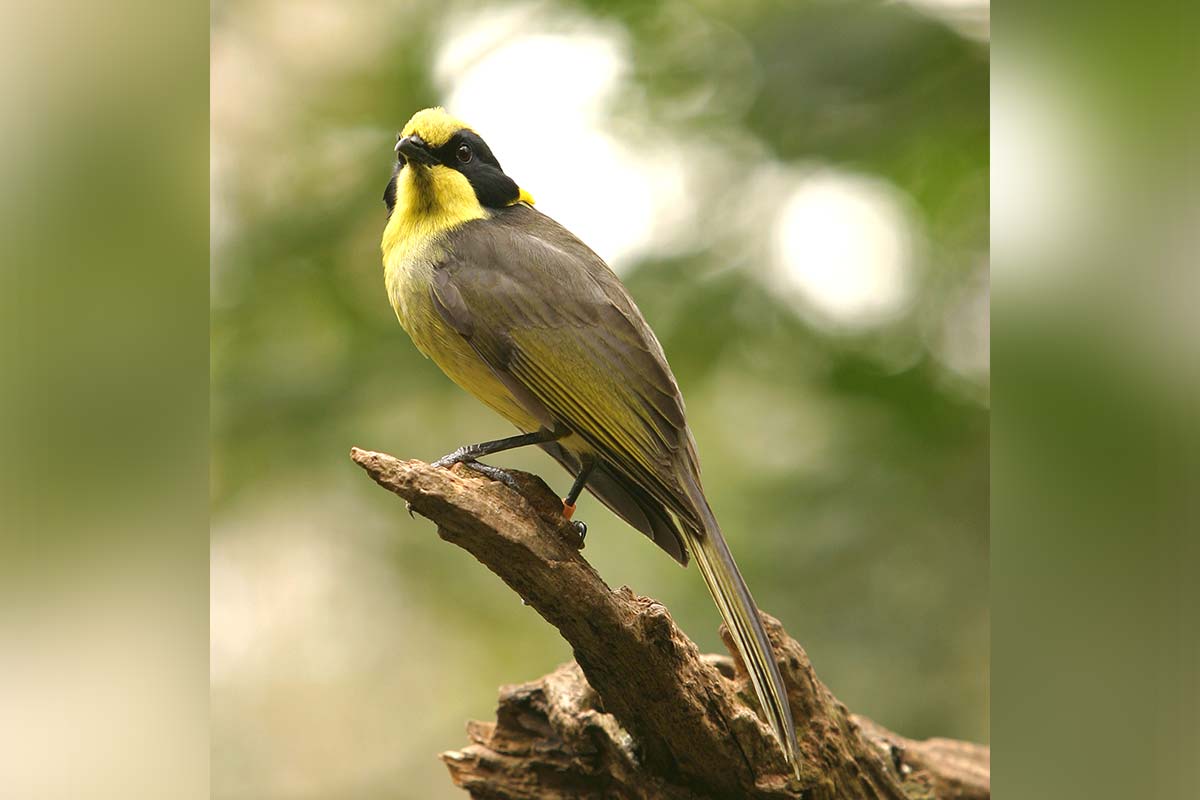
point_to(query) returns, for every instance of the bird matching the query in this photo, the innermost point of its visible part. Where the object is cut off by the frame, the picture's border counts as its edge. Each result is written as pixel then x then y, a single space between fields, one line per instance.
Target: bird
pixel 520 313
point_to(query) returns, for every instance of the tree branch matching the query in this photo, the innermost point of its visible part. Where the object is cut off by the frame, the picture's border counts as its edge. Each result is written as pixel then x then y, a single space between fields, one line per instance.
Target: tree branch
pixel 641 713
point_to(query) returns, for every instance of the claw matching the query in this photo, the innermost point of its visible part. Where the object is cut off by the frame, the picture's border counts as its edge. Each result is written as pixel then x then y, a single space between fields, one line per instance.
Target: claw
pixel 581 529
pixel 450 459
pixel 495 473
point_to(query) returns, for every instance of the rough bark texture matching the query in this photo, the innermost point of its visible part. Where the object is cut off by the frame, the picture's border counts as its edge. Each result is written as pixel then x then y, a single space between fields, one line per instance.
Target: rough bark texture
pixel 641 713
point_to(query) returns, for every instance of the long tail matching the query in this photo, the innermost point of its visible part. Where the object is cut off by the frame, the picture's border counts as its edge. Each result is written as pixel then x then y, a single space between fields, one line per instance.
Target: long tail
pixel 741 618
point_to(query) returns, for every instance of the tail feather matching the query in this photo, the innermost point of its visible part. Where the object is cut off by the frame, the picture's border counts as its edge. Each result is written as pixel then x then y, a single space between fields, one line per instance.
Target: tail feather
pixel 741 618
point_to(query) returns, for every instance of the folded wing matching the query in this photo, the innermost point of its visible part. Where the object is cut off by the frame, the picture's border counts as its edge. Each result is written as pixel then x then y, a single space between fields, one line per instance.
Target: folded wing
pixel 546 313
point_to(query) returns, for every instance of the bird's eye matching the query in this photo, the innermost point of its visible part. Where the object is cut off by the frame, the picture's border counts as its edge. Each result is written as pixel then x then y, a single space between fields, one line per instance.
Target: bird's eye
pixel 464 154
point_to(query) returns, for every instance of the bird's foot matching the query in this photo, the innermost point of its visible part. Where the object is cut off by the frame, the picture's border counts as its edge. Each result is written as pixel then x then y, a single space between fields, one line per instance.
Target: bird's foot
pixel 466 457
pixel 580 527
pixel 495 473
pixel 462 455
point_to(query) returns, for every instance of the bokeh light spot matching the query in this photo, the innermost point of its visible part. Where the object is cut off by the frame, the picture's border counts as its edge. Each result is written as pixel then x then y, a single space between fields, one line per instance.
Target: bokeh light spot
pixel 613 189
pixel 843 248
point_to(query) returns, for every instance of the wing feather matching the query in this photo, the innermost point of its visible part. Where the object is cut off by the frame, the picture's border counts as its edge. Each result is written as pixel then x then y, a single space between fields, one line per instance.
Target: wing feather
pixel 542 309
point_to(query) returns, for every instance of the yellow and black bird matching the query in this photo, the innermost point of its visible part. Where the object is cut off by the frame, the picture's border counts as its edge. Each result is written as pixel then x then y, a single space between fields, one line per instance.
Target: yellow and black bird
pixel 524 316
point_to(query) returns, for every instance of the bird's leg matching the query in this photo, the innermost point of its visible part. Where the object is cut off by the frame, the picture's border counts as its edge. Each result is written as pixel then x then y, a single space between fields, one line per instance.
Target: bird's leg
pixel 577 488
pixel 470 452
pixel 467 454
pixel 588 464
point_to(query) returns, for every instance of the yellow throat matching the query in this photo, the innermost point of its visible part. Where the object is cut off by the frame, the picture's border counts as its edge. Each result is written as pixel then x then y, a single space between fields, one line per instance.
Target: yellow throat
pixel 430 201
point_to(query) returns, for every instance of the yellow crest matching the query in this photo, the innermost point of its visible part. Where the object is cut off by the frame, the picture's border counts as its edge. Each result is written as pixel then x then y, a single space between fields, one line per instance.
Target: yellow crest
pixel 434 125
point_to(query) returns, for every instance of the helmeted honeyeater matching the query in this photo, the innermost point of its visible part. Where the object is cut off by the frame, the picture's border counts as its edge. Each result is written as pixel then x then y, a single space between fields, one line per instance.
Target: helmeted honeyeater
pixel 524 316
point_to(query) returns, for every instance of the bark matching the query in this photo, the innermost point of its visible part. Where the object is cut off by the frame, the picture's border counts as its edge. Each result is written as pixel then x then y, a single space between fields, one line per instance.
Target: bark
pixel 641 713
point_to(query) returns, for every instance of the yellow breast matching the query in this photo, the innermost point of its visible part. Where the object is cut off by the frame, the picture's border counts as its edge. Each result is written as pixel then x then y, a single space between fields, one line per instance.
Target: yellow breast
pixel 413 243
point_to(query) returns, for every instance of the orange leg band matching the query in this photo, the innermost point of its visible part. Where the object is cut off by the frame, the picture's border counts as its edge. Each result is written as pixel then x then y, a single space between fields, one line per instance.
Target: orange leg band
pixel 568 510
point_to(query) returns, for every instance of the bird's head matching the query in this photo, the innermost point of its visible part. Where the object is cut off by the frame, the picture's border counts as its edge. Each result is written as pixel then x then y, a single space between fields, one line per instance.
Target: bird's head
pixel 442 163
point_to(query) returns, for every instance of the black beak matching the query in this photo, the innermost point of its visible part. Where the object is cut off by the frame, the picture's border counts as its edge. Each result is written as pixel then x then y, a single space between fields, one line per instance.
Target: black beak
pixel 415 150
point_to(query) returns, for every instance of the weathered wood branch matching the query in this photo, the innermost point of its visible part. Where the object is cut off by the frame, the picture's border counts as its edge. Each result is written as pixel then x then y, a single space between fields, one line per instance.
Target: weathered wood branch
pixel 641 713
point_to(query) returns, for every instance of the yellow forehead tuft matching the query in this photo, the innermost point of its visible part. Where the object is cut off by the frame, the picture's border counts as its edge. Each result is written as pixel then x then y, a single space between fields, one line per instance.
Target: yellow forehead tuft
pixel 434 125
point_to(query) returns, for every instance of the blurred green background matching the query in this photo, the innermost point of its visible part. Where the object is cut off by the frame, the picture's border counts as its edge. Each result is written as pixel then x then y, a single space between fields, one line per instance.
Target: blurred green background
pixel 796 193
